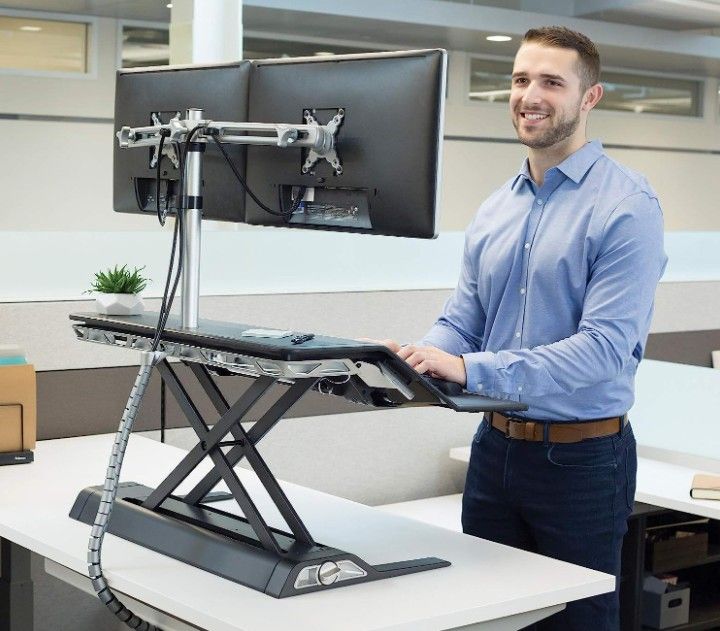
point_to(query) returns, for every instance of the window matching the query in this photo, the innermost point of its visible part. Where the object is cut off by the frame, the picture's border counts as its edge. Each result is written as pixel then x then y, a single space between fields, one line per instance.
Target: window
pixel 647 94
pixel 43 45
pixel 144 46
pixel 265 48
pixel 148 45
pixel 490 80
pixel 627 92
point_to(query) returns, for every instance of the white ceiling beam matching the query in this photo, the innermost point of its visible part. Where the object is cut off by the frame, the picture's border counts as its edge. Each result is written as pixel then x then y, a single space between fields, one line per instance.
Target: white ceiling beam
pixel 589 7
pixel 551 7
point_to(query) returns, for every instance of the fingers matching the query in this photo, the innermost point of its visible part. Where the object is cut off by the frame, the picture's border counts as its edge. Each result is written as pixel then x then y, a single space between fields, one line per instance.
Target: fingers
pixel 425 368
pixel 414 355
pixel 407 350
pixel 431 361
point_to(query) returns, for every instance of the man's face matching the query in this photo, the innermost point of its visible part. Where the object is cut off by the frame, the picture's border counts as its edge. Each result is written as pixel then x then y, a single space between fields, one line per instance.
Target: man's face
pixel 546 95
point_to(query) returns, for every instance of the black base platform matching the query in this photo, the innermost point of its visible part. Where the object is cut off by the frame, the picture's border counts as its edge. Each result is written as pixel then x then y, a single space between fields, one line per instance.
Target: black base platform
pixel 223 544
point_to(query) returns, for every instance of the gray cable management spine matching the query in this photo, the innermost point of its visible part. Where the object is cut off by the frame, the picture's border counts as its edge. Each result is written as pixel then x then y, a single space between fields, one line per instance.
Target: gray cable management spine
pixel 112 479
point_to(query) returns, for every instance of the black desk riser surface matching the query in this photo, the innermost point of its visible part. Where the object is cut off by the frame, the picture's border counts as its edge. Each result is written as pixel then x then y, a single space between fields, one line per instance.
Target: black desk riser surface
pixel 227 337
pixel 247 550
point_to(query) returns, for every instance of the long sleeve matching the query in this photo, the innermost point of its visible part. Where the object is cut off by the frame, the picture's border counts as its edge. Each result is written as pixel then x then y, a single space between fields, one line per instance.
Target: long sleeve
pixel 616 311
pixel 459 329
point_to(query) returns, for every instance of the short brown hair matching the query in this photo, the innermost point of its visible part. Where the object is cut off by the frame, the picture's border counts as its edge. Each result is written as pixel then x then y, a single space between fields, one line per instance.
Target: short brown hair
pixel 561 37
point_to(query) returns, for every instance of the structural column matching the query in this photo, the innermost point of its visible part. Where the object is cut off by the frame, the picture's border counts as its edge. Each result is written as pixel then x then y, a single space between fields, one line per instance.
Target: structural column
pixel 205 31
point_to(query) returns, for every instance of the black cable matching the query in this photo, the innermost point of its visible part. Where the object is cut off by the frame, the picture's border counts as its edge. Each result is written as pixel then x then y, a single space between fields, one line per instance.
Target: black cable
pixel 285 214
pixel 164 304
pixel 164 315
pixel 181 223
pixel 171 265
pixel 160 215
pixel 169 295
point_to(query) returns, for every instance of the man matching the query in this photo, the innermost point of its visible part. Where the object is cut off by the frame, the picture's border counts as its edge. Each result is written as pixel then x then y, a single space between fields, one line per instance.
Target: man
pixel 553 309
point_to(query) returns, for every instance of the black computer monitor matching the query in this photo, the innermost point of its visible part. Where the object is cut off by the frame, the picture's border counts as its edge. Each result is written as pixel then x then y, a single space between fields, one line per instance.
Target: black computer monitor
pixel 389 142
pixel 145 96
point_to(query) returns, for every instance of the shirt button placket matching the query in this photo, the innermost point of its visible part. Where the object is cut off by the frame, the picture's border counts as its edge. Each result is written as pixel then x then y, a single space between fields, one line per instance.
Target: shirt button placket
pixel 533 222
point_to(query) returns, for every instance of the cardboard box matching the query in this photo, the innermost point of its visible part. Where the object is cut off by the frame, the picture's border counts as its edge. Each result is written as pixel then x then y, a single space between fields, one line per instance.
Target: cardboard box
pixel 669 608
pixel 18 408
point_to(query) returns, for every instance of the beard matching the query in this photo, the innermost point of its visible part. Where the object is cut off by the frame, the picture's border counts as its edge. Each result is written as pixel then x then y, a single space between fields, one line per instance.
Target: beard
pixel 554 134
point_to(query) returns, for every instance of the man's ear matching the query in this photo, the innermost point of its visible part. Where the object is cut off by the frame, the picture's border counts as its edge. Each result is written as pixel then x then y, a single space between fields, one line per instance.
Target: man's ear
pixel 592 95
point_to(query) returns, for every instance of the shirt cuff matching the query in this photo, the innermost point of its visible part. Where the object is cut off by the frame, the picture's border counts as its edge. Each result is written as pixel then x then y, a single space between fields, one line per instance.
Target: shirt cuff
pixel 481 372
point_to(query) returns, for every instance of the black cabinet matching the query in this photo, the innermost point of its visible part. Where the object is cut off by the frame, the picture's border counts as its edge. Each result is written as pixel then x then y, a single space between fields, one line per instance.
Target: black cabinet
pixel 694 558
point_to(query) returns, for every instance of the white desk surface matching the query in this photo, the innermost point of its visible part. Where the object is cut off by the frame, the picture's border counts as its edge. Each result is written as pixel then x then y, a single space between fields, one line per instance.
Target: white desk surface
pixel 658 483
pixel 444 511
pixel 486 581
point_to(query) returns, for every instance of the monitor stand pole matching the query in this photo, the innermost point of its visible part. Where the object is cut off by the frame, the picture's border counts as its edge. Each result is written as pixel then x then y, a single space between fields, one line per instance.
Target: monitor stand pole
pixel 191 207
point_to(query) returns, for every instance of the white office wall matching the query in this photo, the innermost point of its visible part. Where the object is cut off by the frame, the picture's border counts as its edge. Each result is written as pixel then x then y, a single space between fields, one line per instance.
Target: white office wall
pixel 57 171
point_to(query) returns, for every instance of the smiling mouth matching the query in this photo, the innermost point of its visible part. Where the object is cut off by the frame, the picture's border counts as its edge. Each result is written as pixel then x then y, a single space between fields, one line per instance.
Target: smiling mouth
pixel 533 116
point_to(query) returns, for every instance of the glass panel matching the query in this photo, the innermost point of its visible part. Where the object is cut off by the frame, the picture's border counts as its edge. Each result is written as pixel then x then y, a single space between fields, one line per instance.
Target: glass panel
pixel 262 48
pixel 490 80
pixel 45 45
pixel 656 95
pixel 145 46
pixel 641 94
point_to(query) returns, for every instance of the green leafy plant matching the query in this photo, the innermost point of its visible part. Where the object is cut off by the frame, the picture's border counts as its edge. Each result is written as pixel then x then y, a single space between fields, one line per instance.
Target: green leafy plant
pixel 119 280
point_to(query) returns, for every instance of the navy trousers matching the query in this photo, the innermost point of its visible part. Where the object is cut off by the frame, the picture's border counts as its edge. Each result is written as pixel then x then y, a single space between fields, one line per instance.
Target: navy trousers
pixel 566 501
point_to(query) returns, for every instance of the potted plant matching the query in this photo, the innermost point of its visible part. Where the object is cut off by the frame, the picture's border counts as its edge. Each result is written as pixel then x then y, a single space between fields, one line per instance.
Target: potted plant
pixel 118 290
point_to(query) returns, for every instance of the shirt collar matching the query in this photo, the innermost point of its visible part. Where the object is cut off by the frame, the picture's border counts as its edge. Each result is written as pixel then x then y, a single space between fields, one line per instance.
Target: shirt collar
pixel 524 174
pixel 575 166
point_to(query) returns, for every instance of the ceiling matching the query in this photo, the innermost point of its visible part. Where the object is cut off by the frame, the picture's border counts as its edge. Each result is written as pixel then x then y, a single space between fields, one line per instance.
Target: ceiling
pixel 392 23
pixel 664 14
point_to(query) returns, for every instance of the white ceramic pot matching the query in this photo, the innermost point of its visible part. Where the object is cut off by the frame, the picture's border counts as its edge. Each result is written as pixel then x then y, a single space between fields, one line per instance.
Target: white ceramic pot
pixel 119 304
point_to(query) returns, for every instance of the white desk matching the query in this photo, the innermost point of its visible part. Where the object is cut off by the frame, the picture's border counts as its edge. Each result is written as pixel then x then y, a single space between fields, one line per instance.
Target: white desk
pixel 658 483
pixel 488 586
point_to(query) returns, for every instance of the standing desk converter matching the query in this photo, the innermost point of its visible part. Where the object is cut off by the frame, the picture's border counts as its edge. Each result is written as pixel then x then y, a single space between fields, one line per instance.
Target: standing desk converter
pixel 245 549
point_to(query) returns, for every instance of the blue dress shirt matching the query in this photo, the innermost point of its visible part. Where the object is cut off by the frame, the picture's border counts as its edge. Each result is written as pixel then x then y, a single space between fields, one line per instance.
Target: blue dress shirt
pixel 555 297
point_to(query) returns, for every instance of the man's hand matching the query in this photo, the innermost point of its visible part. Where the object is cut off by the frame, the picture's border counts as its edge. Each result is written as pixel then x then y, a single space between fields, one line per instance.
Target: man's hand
pixel 428 360
pixel 433 362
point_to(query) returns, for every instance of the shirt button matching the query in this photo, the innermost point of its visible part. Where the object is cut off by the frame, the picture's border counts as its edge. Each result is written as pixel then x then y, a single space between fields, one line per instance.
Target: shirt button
pixel 539 202
pixel 519 388
pixel 479 386
pixel 522 290
pixel 517 334
pixel 527 246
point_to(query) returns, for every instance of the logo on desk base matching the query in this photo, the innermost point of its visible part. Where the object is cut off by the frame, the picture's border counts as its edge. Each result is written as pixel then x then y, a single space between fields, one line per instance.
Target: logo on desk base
pixel 328 573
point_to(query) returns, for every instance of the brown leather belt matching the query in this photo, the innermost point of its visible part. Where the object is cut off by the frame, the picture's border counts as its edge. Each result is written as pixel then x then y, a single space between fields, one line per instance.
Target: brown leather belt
pixel 520 429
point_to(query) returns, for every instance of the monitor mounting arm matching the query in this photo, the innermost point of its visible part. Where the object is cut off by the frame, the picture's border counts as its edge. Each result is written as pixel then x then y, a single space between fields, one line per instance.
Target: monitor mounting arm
pixel 318 139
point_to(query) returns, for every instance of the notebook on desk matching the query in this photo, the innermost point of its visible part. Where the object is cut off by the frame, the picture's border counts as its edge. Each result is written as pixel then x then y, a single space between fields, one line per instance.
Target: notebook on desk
pixel 705 487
